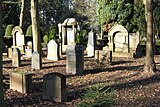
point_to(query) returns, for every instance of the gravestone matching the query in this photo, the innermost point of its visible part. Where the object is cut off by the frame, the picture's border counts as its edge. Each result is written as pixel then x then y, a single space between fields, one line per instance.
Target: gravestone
pixel 18 38
pixel 28 50
pixel 10 52
pixel 90 51
pixel 53 51
pixel 118 39
pixel 74 59
pixel 103 56
pixel 54 87
pixel 90 46
pixel 16 57
pixel 36 60
pixel 21 81
pixel 67 33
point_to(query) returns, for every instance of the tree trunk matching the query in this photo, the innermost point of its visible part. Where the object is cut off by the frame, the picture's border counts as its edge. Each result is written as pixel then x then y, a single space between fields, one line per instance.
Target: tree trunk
pixel 150 66
pixel 22 13
pixel 1 73
pixel 35 26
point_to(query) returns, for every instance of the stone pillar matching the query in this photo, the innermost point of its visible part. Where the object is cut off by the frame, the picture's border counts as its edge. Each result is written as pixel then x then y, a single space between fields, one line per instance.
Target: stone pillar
pixel 74 59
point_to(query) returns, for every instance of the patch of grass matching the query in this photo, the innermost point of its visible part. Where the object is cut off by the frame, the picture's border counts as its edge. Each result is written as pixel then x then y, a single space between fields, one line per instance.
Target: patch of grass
pixel 95 97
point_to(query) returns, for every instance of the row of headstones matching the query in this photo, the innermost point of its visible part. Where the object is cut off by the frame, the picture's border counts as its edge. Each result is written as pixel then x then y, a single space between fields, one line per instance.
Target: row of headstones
pixel 54 85
pixel 74 59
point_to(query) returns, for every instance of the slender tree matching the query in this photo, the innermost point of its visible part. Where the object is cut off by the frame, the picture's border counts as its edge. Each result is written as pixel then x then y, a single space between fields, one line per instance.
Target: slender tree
pixel 36 57
pixel 150 66
pixel 35 26
pixel 1 73
pixel 22 13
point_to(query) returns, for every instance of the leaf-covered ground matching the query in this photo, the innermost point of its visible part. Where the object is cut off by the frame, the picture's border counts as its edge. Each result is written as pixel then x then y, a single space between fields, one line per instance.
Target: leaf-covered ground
pixel 134 87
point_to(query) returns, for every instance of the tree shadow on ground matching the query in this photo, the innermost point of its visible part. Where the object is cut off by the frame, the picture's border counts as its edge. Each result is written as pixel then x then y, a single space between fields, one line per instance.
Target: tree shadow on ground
pixel 112 69
pixel 120 86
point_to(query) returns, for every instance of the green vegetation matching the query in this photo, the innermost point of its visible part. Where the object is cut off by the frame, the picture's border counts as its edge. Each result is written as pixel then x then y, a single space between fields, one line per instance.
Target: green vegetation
pixel 82 38
pixel 8 32
pixel 50 35
pixel 95 97
pixel 29 31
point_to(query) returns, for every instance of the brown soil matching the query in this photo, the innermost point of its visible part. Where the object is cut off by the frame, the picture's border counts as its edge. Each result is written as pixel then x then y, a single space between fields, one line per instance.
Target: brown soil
pixel 134 87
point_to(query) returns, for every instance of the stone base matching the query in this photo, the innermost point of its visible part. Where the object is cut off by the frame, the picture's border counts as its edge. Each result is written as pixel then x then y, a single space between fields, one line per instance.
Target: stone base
pixel 123 54
pixel 36 60
pixel 21 81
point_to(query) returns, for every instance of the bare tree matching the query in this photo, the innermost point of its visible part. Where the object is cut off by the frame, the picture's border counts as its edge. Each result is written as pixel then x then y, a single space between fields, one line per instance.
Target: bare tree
pixel 35 26
pixel 1 49
pixel 22 13
pixel 150 66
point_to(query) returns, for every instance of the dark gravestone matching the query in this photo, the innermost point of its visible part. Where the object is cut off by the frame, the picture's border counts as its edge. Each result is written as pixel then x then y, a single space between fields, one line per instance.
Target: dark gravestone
pixel 54 87
pixel 74 59
pixel 16 57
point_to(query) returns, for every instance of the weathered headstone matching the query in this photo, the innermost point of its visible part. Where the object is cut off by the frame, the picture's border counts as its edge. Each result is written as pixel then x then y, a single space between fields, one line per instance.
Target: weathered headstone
pixel 21 81
pixel 28 50
pixel 118 39
pixel 90 46
pixel 54 87
pixel 67 33
pixel 16 57
pixel 74 59
pixel 36 60
pixel 90 51
pixel 103 56
pixel 18 38
pixel 10 52
pixel 53 51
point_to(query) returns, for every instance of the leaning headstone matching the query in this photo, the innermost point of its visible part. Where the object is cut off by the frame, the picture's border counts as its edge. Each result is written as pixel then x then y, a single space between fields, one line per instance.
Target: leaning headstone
pixel 53 51
pixel 16 57
pixel 90 46
pixel 21 81
pixel 54 87
pixel 36 60
pixel 74 59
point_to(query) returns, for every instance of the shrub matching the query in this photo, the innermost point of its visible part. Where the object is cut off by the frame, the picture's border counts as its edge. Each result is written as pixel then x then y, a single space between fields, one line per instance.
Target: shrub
pixel 45 39
pixel 29 31
pixel 52 33
pixel 8 32
pixel 95 97
pixel 81 38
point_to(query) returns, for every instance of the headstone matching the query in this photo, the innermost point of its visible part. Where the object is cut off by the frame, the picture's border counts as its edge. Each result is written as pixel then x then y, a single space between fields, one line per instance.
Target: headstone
pixel 36 60
pixel 10 52
pixel 18 38
pixel 90 51
pixel 53 51
pixel 118 39
pixel 67 33
pixel 28 50
pixel 16 57
pixel 21 81
pixel 74 59
pixel 54 87
pixel 103 56
pixel 28 53
pixel 90 46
